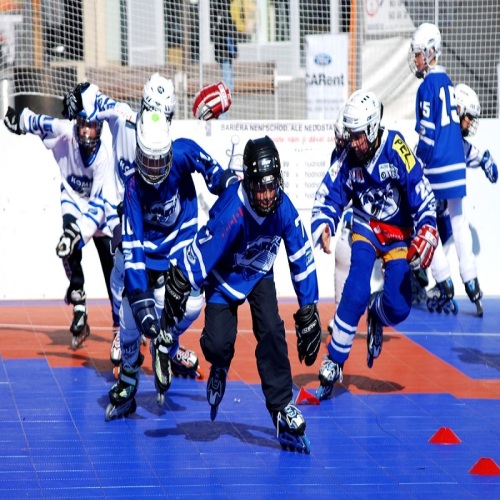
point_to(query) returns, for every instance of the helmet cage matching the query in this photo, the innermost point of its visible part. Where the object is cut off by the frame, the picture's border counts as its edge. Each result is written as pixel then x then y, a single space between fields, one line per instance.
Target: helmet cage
pixel 153 168
pixel 262 177
pixel 88 133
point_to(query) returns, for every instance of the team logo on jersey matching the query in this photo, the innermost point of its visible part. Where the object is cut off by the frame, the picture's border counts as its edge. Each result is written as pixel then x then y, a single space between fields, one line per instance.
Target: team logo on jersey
pixel 404 152
pixel 163 213
pixel 387 171
pixel 80 184
pixel 259 256
pixel 381 203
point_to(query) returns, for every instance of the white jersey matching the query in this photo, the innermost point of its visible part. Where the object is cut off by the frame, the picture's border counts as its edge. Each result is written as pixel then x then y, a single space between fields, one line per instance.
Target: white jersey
pixel 81 182
pixel 121 120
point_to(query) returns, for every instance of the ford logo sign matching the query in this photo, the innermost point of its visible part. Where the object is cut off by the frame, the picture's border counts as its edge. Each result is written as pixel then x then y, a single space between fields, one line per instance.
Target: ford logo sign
pixel 322 60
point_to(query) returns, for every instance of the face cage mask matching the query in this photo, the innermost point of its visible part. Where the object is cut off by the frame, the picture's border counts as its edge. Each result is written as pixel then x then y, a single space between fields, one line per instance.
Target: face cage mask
pixel 83 130
pixel 257 186
pixel 473 123
pixel 153 170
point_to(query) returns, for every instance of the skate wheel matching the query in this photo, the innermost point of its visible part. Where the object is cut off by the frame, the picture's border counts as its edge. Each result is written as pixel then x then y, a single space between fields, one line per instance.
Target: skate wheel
pixel 369 360
pixel 114 412
pixel 160 399
pixel 116 371
pixel 199 374
pixel 213 412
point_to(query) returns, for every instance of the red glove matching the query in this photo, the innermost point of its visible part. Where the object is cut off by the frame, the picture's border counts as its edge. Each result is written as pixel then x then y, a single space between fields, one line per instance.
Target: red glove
pixel 422 247
pixel 211 101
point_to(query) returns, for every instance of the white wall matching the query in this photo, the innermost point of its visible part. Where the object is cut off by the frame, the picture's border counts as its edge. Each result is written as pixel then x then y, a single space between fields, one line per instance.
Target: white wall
pixel 30 217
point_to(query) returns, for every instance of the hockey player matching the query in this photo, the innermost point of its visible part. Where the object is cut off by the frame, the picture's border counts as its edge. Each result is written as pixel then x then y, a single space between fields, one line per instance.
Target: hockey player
pixel 159 218
pixel 158 94
pixel 232 256
pixel 441 150
pixel 393 218
pixel 84 160
pixel 469 111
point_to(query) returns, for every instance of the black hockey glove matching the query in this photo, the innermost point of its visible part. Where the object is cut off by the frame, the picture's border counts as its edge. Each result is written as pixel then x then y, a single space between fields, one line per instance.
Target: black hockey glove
pixel 144 311
pixel 177 290
pixel 12 121
pixel 72 101
pixel 227 177
pixel 308 328
pixel 69 240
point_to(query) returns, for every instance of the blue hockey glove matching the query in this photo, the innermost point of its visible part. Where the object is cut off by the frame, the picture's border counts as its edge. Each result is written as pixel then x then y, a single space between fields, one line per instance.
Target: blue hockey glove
pixel 227 177
pixel 69 240
pixel 308 329
pixel 490 167
pixel 12 121
pixel 72 101
pixel 177 290
pixel 144 310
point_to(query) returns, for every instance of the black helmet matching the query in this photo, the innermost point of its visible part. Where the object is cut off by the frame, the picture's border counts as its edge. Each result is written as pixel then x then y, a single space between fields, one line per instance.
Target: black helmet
pixel 262 174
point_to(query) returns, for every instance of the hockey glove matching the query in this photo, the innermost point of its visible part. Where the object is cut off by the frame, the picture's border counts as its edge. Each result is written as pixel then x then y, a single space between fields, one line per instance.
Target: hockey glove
pixel 177 290
pixel 422 247
pixel 72 101
pixel 69 240
pixel 308 328
pixel 211 101
pixel 490 167
pixel 227 177
pixel 144 311
pixel 12 121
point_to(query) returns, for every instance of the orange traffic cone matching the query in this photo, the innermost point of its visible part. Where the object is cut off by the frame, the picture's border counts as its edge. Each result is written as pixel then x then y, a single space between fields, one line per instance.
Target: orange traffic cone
pixel 485 467
pixel 305 397
pixel 445 435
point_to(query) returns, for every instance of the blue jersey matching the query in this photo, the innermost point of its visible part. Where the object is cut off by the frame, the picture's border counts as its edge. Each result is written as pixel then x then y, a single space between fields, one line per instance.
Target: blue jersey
pixel 237 248
pixel 390 196
pixel 440 139
pixel 160 220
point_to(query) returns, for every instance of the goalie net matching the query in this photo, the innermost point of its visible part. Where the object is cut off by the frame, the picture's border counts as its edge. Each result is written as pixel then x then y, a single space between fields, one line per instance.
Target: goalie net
pixel 47 46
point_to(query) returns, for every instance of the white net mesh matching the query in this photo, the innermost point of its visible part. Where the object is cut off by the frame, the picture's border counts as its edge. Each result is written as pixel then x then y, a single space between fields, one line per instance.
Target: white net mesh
pixel 47 46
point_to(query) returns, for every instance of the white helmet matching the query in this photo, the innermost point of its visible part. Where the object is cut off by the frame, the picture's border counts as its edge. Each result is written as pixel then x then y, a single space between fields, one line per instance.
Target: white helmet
pixel 362 113
pixel 426 40
pixel 468 101
pixel 153 155
pixel 159 94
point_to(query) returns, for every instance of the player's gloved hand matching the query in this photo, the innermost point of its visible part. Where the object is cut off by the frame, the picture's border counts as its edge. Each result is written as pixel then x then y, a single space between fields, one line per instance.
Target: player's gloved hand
pixel 227 177
pixel 68 241
pixel 144 311
pixel 490 167
pixel 12 121
pixel 308 329
pixel 211 101
pixel 422 247
pixel 177 290
pixel 72 101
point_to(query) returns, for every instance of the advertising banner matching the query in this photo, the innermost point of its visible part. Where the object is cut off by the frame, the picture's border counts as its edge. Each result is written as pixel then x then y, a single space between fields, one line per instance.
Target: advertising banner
pixel 326 75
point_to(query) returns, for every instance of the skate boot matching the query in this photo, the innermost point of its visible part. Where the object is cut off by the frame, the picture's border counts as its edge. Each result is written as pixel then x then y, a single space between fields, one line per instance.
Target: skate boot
pixel 115 352
pixel 216 387
pixel 162 366
pixel 79 326
pixel 440 298
pixel 329 373
pixel 374 334
pixel 419 282
pixel 290 429
pixel 185 364
pixel 475 294
pixel 122 394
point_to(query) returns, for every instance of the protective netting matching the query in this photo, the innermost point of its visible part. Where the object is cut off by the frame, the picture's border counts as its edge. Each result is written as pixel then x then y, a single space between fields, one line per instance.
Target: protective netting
pixel 296 59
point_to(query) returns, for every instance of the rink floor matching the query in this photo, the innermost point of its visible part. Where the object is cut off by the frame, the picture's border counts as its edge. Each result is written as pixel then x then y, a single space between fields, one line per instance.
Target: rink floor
pixel 437 376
